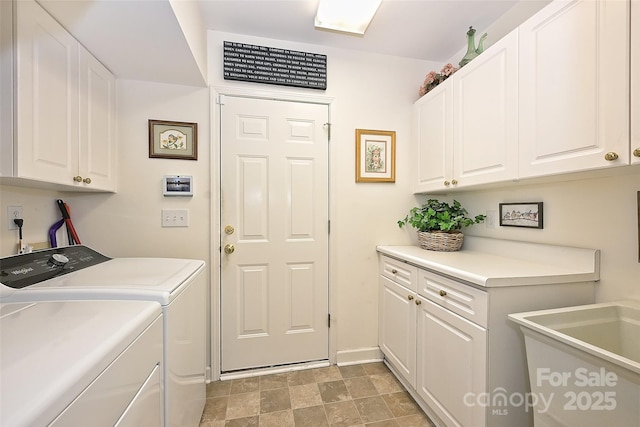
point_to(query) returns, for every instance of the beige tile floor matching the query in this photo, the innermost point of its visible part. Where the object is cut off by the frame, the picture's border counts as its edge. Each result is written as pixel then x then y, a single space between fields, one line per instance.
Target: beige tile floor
pixel 357 395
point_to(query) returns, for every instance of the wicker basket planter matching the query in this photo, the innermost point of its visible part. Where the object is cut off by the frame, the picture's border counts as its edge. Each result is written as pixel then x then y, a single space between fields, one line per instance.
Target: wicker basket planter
pixel 440 241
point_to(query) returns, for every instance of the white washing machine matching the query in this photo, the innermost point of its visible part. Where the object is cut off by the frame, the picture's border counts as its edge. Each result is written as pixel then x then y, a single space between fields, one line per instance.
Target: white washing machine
pixel 76 363
pixel 179 285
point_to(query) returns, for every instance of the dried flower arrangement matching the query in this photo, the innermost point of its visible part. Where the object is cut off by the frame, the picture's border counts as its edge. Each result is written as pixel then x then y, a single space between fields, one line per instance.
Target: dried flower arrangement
pixel 433 79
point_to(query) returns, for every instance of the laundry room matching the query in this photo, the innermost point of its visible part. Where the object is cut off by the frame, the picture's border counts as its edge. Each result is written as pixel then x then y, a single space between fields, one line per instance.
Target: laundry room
pixel 165 70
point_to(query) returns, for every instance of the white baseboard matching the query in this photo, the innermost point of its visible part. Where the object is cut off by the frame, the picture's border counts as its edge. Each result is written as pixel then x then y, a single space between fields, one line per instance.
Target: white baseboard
pixel 360 355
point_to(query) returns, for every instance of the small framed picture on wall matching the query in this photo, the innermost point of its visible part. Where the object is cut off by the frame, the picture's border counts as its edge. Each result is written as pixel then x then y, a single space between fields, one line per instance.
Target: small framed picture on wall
pixel 523 214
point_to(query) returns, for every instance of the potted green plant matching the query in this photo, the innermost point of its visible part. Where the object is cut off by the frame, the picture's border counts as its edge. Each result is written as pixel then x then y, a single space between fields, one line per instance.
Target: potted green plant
pixel 439 224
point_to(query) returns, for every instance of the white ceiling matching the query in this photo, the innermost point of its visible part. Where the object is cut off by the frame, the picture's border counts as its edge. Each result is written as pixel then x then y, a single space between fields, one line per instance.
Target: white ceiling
pixel 141 39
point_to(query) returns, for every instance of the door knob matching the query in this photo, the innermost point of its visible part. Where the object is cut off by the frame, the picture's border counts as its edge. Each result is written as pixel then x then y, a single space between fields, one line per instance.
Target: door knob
pixel 228 249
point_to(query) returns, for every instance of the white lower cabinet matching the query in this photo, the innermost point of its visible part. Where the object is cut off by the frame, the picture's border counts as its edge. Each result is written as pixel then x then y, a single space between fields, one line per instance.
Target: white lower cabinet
pixel 452 374
pixel 398 327
pixel 397 322
pixel 450 343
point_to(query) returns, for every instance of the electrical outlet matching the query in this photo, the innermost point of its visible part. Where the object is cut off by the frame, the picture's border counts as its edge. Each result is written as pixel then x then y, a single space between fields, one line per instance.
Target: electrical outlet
pixel 175 217
pixel 491 219
pixel 13 212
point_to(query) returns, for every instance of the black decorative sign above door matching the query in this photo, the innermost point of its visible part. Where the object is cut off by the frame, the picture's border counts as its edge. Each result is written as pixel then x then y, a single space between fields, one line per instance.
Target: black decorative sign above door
pixel 260 64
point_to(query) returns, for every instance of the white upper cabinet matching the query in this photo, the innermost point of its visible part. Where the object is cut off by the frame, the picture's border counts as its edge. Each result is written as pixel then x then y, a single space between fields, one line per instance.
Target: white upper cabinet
pixel 574 87
pixel 433 136
pixel 485 118
pixel 46 82
pixel 466 128
pixel 63 103
pixel 635 81
pixel 97 124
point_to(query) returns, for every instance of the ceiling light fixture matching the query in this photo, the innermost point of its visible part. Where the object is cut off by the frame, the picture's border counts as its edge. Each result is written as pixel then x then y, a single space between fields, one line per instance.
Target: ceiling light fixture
pixel 349 16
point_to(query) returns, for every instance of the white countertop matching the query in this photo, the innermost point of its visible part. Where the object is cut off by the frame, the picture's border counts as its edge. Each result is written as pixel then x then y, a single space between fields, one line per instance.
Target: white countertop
pixel 492 262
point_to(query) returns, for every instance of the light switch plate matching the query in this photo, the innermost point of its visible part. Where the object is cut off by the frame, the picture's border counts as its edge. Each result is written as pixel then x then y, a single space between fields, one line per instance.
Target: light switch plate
pixel 175 217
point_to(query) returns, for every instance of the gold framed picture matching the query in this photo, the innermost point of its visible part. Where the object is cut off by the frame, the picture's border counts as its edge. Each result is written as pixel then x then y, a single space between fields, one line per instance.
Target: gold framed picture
pixel 375 155
pixel 173 140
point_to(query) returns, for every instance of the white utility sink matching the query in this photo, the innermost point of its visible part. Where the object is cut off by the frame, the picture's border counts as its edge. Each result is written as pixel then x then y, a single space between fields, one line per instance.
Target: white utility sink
pixel 584 364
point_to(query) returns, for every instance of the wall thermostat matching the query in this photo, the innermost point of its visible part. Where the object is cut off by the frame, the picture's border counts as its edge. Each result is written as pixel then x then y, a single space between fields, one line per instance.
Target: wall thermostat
pixel 177 185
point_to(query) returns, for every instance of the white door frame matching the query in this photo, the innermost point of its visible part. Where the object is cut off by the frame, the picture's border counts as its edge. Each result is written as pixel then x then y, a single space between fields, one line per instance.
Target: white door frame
pixel 215 92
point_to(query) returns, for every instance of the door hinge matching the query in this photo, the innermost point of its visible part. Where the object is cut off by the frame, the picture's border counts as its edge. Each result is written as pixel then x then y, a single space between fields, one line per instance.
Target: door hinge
pixel 328 126
pixel 329 227
pixel 329 320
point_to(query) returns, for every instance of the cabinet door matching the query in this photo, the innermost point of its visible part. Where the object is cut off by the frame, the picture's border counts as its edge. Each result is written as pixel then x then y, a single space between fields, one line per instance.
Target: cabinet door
pixel 635 81
pixel 574 87
pixel 451 369
pixel 433 138
pixel 485 119
pixel 397 329
pixel 97 165
pixel 47 97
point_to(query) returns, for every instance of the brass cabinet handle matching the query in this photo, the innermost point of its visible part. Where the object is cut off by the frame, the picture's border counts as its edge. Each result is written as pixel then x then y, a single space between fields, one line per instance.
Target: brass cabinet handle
pixel 446 183
pixel 77 178
pixel 454 182
pixel 611 156
pixel 228 249
pixel 443 293
pixel 418 302
pixel 636 152
pixel 410 297
pixel 87 180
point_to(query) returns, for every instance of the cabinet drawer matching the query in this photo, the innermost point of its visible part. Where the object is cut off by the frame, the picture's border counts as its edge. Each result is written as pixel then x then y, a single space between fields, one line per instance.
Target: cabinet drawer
pixel 400 272
pixel 464 300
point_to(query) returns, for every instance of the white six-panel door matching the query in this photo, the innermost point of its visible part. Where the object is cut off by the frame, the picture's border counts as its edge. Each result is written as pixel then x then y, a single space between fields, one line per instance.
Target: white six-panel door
pixel 274 237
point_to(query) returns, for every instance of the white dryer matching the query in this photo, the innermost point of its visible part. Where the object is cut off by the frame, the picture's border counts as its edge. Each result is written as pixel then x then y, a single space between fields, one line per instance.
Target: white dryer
pixel 80 363
pixel 179 285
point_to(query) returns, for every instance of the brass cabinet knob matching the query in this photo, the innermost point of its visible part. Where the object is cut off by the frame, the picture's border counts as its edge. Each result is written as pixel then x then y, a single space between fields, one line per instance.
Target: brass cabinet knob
pixel 611 156
pixel 87 180
pixel 636 152
pixel 77 178
pixel 228 249
pixel 410 297
pixel 418 302
pixel 447 183
pixel 454 182
pixel 443 293
pixel 394 271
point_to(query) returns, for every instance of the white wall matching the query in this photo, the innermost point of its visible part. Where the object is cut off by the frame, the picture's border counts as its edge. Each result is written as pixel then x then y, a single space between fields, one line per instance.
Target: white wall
pixel 369 92
pixel 599 213
pixel 128 223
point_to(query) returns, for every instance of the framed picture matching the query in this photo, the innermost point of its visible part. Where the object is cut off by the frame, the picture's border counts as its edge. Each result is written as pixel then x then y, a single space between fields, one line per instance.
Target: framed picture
pixel 173 140
pixel 375 156
pixel 526 214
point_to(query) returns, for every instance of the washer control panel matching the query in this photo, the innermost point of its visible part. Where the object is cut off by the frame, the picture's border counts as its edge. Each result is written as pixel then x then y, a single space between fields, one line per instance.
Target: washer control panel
pixel 20 271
